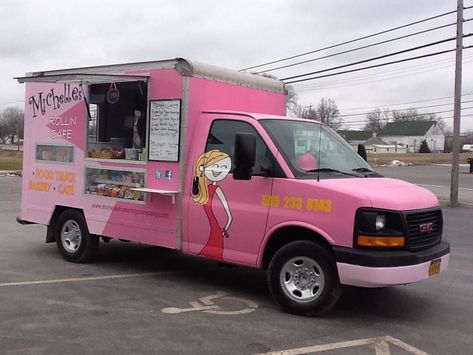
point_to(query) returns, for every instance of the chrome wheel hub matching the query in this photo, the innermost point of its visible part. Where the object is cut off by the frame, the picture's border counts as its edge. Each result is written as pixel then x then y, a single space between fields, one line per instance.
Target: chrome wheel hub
pixel 71 236
pixel 302 279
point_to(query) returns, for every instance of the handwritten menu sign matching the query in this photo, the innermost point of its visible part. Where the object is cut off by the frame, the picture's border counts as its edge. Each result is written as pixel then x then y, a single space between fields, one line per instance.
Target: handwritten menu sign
pixel 165 117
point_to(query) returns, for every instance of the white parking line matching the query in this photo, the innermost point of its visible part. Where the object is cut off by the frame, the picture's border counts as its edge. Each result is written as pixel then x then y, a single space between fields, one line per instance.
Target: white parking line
pixel 381 347
pixel 76 279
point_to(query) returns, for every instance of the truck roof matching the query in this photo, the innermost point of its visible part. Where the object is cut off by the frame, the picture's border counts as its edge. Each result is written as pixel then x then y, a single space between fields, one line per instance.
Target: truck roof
pixel 125 72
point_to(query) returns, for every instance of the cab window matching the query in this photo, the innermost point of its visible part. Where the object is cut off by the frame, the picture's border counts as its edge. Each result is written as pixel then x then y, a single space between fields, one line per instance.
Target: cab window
pixel 222 137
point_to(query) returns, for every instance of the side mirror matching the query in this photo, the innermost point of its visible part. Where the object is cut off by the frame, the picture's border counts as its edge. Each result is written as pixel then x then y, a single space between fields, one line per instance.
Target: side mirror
pixel 362 151
pixel 244 155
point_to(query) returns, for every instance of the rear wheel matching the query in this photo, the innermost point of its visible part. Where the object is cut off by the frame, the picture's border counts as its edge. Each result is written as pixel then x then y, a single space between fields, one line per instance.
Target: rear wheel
pixel 303 279
pixel 73 239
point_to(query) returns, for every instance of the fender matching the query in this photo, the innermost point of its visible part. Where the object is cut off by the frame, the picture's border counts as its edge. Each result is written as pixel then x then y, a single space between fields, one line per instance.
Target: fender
pixel 277 227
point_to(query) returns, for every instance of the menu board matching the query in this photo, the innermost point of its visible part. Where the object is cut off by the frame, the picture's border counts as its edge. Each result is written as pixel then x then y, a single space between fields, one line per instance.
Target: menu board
pixel 164 130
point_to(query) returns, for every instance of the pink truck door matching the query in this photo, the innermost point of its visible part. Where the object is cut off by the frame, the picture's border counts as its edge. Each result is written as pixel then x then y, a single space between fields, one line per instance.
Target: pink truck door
pixel 227 219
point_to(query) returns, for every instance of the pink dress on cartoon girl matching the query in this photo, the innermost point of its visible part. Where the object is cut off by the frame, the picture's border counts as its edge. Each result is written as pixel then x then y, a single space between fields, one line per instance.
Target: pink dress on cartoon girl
pixel 214 247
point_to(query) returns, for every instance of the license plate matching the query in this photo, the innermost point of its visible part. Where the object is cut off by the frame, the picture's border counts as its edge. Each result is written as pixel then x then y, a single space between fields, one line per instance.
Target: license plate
pixel 434 267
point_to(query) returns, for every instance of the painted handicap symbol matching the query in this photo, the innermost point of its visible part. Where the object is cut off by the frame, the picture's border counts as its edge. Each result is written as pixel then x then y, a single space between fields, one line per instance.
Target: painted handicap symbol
pixel 207 305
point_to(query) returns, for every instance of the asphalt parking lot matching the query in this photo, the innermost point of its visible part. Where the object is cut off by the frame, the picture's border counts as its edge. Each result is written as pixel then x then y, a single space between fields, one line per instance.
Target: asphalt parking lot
pixel 435 178
pixel 137 299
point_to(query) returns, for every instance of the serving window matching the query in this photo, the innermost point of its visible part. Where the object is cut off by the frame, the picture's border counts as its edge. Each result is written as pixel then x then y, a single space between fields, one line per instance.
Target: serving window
pixel 117 120
pixel 115 183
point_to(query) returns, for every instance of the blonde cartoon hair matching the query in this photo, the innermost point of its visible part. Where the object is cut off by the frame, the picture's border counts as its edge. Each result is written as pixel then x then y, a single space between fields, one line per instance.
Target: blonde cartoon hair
pixel 206 159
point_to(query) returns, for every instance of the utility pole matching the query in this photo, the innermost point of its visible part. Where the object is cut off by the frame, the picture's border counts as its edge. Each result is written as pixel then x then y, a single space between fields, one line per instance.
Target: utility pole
pixel 457 108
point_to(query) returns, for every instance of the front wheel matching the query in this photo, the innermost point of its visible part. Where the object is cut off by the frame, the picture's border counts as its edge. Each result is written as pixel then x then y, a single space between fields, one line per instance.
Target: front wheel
pixel 303 279
pixel 73 239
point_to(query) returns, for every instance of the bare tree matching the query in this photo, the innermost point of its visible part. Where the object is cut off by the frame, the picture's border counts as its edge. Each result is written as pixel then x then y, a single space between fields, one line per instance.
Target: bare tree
pixel 308 112
pixel 327 112
pixel 448 131
pixel 410 114
pixel 291 99
pixel 3 130
pixel 413 115
pixel 377 119
pixel 13 119
pixel 298 110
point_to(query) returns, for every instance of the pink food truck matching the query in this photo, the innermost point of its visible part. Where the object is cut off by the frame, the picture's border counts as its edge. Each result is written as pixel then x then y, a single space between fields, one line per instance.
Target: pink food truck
pixel 202 159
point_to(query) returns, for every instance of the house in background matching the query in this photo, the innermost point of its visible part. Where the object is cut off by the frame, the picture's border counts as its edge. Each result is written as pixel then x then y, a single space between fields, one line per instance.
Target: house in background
pixel 355 137
pixel 373 143
pixel 411 134
pixel 376 145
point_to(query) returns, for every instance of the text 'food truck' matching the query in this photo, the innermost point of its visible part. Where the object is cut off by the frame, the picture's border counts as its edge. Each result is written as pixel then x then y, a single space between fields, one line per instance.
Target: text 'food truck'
pixel 202 159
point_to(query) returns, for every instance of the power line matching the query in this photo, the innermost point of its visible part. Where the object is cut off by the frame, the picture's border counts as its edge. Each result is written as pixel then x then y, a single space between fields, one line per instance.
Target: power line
pixel 350 41
pixel 375 66
pixel 410 116
pixel 364 122
pixel 356 49
pixel 344 83
pixel 417 115
pixel 410 108
pixel 430 64
pixel 361 124
pixel 374 58
pixel 406 103
pixel 359 127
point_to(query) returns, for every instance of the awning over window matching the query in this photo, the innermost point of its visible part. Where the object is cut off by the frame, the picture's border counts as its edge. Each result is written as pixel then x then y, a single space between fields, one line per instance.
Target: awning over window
pixel 82 78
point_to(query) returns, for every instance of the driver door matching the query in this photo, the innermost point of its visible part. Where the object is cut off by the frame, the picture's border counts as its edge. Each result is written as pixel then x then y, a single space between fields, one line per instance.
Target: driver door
pixel 226 217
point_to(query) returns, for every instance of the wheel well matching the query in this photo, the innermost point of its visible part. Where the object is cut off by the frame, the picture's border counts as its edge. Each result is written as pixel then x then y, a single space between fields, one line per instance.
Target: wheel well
pixel 58 210
pixel 287 235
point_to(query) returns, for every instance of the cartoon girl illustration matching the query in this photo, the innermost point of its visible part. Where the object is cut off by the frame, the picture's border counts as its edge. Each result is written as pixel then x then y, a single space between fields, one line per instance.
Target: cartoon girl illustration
pixel 211 168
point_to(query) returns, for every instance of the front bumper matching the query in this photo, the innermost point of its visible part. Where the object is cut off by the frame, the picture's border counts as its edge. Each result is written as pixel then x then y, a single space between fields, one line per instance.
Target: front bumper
pixel 22 221
pixel 373 268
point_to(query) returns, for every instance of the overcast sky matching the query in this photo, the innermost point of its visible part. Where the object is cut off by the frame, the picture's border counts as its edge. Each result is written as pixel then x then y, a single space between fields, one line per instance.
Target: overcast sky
pixel 50 34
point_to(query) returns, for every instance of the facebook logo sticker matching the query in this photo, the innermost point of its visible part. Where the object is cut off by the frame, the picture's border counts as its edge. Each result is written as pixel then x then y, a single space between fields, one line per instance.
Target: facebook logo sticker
pixel 168 174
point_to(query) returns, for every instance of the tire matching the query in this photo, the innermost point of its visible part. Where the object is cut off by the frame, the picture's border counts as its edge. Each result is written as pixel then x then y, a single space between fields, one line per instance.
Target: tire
pixel 73 239
pixel 303 279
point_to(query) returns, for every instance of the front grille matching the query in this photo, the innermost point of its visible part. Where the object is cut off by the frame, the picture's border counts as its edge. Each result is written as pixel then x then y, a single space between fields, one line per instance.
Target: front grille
pixel 424 229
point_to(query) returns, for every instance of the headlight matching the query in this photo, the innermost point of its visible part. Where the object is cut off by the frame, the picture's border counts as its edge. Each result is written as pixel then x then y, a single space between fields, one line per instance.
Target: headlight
pixel 379 229
pixel 380 222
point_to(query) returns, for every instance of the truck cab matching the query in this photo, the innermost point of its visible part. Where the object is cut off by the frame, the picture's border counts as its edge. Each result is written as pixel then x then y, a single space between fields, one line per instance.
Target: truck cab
pixel 308 209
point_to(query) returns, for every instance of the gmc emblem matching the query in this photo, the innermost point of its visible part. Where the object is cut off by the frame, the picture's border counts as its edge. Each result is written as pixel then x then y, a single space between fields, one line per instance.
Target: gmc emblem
pixel 426 227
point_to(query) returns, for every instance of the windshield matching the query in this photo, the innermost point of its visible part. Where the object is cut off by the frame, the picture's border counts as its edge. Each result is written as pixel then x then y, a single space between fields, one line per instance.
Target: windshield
pixel 313 150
